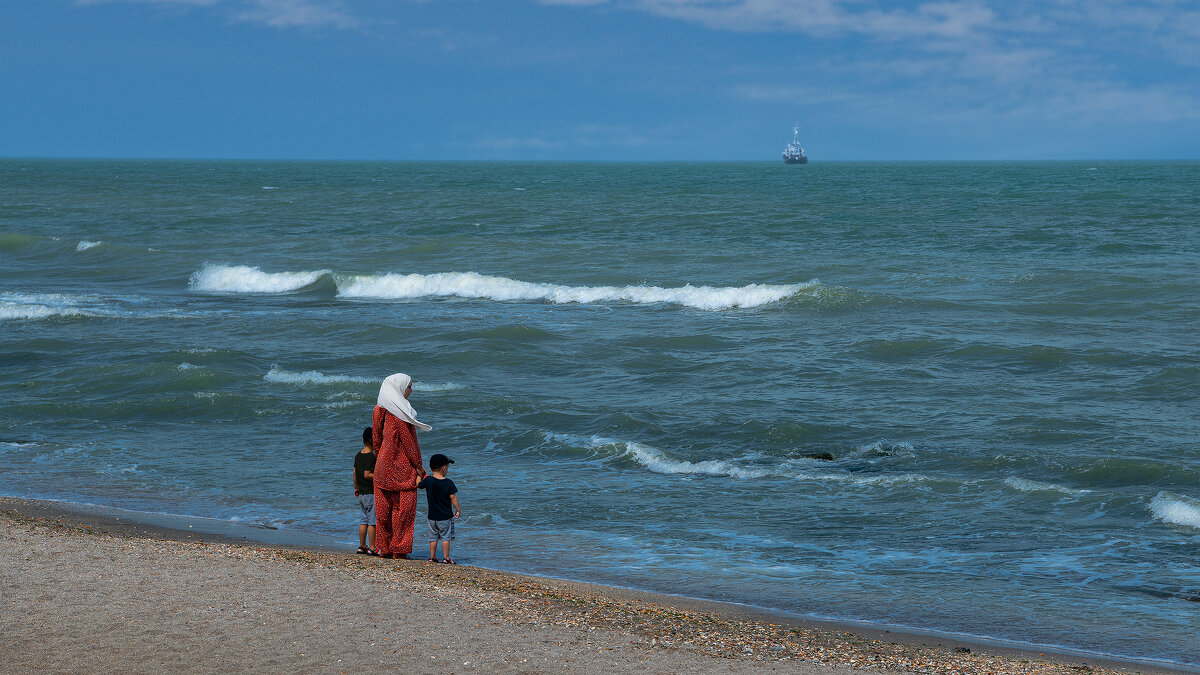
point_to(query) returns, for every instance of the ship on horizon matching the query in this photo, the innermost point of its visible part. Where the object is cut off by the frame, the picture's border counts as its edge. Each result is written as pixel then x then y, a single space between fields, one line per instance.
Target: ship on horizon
pixel 793 153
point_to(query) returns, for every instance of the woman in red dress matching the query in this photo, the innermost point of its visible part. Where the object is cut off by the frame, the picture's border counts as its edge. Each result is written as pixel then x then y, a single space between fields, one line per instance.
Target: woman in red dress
pixel 397 466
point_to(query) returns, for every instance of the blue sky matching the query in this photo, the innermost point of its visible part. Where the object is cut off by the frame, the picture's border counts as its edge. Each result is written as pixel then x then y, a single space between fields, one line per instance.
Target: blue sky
pixel 600 79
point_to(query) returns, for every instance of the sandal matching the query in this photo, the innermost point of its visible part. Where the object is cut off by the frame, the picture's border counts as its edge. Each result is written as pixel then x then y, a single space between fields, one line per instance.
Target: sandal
pixel 372 551
pixel 432 559
pixel 363 550
pixel 447 561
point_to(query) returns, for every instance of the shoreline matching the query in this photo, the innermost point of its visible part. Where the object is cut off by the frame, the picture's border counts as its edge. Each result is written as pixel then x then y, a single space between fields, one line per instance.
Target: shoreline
pixel 690 627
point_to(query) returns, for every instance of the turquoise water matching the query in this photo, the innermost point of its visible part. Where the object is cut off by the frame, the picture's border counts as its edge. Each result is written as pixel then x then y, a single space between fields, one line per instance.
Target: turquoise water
pixel 632 365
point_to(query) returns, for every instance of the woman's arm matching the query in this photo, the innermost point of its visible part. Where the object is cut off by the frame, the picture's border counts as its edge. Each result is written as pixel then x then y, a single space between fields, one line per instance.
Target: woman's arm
pixel 412 450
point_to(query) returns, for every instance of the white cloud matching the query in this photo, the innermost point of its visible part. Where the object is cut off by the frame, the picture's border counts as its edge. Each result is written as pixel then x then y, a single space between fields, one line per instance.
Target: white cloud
pixel 946 18
pixel 275 13
pixel 297 13
pixel 198 3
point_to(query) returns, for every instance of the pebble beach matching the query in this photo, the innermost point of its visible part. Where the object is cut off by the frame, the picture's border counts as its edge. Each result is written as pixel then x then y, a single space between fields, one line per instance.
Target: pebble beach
pixel 90 594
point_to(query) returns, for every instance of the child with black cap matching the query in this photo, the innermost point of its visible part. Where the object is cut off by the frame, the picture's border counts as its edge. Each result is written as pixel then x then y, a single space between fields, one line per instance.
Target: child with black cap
pixel 443 506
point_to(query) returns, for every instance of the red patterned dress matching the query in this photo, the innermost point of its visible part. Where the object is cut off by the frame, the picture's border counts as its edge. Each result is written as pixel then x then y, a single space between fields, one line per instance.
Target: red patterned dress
pixel 397 470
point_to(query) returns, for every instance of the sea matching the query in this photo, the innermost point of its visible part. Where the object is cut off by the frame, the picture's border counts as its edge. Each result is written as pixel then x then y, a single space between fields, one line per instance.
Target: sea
pixel 950 397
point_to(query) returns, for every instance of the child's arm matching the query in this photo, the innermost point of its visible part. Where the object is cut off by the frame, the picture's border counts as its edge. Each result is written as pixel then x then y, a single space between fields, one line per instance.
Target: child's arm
pixel 454 501
pixel 354 481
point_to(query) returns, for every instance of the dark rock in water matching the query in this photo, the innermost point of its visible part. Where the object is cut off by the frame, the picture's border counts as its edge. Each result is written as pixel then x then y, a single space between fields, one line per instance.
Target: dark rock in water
pixel 819 455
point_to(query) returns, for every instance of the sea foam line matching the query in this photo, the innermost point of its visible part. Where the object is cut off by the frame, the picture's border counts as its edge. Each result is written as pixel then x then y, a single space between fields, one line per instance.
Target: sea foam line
pixel 474 285
pixel 279 375
pixel 85 245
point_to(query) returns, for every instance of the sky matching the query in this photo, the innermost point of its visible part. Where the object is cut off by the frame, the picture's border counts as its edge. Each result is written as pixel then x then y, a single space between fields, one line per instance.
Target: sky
pixel 608 80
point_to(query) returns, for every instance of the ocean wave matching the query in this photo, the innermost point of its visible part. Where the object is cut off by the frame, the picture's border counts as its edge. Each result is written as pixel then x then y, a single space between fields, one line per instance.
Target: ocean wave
pixel 278 375
pixel 882 448
pixel 1026 485
pixel 656 460
pixel 747 466
pixel 244 279
pixel 85 245
pixel 873 479
pixel 473 285
pixel 1176 510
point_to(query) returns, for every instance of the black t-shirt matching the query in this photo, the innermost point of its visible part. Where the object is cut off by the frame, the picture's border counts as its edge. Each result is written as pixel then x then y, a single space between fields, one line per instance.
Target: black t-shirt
pixel 364 461
pixel 438 491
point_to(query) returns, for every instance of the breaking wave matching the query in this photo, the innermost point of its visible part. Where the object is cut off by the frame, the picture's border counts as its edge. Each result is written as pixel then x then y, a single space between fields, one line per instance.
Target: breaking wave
pixel 1176 510
pixel 85 245
pixel 473 285
pixel 245 279
pixel 657 461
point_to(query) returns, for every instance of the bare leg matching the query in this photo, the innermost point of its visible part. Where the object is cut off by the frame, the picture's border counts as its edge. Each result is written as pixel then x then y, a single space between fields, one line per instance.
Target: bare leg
pixel 445 549
pixel 371 535
pixel 362 535
pixel 432 549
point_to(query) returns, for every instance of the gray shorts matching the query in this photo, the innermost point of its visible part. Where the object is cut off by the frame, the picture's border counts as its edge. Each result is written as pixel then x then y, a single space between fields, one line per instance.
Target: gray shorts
pixel 366 507
pixel 441 530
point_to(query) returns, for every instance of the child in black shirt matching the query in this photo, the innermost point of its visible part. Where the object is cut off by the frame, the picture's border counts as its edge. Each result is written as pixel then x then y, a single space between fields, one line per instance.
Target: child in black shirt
pixel 364 489
pixel 443 506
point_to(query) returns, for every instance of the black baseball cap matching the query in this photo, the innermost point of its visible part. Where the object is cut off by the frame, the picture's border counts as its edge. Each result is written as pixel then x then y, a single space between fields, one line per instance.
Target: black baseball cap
pixel 439 460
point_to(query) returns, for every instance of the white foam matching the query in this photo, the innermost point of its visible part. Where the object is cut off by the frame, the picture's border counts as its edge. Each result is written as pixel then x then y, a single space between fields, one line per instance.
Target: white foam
pixel 342 404
pixel 244 279
pixel 1026 485
pixel 446 386
pixel 18 306
pixel 187 366
pixel 1176 509
pixel 473 285
pixel 279 375
pixel 10 311
pixel 85 245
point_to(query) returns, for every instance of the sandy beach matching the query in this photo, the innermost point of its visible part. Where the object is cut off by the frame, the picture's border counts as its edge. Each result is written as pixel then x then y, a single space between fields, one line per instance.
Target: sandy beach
pixel 84 593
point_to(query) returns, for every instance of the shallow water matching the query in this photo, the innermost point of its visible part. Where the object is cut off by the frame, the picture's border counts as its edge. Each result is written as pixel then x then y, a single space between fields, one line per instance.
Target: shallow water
pixel 632 366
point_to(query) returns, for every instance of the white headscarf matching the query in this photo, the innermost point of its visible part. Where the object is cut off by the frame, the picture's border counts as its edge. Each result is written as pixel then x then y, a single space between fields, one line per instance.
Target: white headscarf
pixel 391 398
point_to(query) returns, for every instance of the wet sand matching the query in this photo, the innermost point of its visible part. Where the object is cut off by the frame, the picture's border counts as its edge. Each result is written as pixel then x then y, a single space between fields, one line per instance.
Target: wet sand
pixel 85 591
